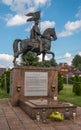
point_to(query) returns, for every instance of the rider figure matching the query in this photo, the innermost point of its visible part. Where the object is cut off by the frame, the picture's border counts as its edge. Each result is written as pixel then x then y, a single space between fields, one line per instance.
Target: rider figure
pixel 35 34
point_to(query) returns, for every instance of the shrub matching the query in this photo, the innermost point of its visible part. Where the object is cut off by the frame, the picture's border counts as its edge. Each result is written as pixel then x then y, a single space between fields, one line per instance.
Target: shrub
pixel 77 85
pixel 60 82
pixel 5 81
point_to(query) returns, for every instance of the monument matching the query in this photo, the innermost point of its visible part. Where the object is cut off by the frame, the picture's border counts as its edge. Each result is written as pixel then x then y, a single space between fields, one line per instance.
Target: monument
pixel 39 43
pixel 35 89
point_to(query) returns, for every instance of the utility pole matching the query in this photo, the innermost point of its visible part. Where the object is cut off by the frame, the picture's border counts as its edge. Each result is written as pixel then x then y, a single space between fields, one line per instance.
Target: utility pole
pixel 67 79
pixel 5 82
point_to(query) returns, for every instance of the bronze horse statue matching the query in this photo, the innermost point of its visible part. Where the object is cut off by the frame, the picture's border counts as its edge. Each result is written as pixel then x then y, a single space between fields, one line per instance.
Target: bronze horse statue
pixel 26 45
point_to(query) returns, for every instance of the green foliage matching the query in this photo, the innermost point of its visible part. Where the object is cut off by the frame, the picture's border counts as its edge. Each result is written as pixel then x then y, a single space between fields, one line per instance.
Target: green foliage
pixel 5 81
pixel 49 63
pixel 3 94
pixel 31 59
pixel 69 96
pixel 77 85
pixel 79 66
pixel 77 61
pixel 60 82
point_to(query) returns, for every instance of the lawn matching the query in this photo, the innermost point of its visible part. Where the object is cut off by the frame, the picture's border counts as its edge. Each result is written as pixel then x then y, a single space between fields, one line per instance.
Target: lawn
pixel 67 95
pixel 3 94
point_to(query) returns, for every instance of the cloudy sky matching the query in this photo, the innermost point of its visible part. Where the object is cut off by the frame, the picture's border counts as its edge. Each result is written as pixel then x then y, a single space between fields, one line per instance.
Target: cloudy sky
pixel 64 15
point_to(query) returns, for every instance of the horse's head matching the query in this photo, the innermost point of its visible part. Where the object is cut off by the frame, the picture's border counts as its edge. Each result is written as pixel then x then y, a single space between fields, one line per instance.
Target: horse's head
pixel 50 32
pixel 53 33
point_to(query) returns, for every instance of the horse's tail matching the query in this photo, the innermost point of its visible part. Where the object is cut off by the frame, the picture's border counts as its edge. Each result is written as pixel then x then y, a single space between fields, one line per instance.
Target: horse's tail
pixel 15 46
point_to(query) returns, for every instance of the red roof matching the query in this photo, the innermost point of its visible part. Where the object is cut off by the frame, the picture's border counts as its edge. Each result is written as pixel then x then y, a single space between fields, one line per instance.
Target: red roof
pixel 65 69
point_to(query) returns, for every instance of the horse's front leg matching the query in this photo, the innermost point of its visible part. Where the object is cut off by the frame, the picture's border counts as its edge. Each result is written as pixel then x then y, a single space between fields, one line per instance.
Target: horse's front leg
pixel 52 53
pixel 16 54
pixel 14 61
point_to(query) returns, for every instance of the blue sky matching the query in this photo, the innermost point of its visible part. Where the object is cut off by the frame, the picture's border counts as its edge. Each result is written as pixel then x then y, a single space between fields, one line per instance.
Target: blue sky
pixel 64 15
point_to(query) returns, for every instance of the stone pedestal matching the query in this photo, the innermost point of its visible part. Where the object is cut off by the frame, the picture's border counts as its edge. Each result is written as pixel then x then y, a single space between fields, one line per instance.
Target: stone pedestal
pixel 35 89
pixel 32 83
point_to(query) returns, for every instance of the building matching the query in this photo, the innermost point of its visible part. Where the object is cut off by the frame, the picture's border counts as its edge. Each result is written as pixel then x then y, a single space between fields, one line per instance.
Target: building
pixel 66 69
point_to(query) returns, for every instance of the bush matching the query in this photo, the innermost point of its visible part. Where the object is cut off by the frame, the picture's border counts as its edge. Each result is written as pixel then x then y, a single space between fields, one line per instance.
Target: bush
pixel 77 85
pixel 5 81
pixel 60 82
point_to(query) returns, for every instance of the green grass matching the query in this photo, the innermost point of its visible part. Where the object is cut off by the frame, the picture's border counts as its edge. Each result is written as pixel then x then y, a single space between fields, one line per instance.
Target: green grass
pixel 67 95
pixel 3 94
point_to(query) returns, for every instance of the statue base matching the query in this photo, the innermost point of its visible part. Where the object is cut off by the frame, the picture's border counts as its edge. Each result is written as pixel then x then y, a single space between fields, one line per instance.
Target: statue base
pixel 32 107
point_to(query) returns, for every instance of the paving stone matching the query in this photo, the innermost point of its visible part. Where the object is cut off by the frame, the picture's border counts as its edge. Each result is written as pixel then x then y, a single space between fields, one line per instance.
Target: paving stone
pixel 27 121
pixel 32 128
pixel 47 128
pixel 13 118
pixel 62 128
pixel 4 128
pixel 54 123
pixel 75 127
pixel 18 129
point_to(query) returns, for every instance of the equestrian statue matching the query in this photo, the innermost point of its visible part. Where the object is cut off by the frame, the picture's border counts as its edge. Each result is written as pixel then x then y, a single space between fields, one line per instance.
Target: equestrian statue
pixel 38 43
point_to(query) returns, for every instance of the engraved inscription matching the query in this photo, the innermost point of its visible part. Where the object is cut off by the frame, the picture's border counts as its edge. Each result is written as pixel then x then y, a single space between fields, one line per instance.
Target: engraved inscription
pixel 36 84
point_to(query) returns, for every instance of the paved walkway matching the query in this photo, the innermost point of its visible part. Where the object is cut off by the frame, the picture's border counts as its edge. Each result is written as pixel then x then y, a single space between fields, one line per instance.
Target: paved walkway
pixel 13 118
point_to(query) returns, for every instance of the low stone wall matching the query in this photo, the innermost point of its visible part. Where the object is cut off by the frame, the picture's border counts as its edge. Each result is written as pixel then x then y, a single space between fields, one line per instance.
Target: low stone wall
pixel 55 106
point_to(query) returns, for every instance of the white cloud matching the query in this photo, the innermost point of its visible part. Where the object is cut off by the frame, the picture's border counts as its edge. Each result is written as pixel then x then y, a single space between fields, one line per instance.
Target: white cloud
pixel 73 26
pixel 46 24
pixel 21 7
pixel 65 33
pixel 43 25
pixel 42 2
pixel 40 57
pixel 7 2
pixel 6 60
pixel 70 28
pixel 67 55
pixel 78 15
pixel 66 58
pixel 79 53
pixel 16 20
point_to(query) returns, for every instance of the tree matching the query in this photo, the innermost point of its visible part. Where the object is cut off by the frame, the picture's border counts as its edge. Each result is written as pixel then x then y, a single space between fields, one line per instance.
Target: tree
pixel 77 85
pixel 5 81
pixel 77 61
pixel 31 59
pixel 79 66
pixel 60 82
